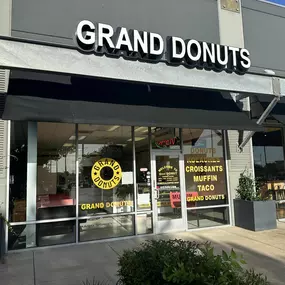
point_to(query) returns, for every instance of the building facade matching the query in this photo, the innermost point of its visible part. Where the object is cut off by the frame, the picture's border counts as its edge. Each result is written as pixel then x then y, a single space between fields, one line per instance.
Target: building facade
pixel 110 132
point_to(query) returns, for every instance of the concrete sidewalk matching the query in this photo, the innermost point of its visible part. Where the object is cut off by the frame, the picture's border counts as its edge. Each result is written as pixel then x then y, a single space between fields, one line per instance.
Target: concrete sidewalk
pixel 70 265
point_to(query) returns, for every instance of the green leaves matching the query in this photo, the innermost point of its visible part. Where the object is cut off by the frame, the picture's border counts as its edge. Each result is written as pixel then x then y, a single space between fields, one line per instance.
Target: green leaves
pixel 249 189
pixel 174 262
pixel 233 254
pixel 225 256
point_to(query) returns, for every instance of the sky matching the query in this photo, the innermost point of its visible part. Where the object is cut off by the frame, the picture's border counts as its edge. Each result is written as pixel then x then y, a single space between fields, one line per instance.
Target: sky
pixel 280 2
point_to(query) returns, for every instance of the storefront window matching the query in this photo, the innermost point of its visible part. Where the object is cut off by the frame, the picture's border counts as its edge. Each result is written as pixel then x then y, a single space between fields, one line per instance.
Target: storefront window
pixel 47 234
pixel 269 165
pixel 165 138
pixel 58 162
pixel 106 182
pixel 18 172
pixel 143 178
pixel 203 218
pixel 56 168
pixel 107 227
pixel 205 175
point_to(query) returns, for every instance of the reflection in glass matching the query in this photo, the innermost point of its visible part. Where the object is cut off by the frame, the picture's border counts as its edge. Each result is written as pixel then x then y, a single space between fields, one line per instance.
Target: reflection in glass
pixel 105 155
pixel 168 187
pixel 207 217
pixel 46 234
pixel 143 176
pixel 269 165
pixel 269 155
pixel 18 172
pixel 165 138
pixel 144 223
pixel 107 227
pixel 205 175
pixel 56 171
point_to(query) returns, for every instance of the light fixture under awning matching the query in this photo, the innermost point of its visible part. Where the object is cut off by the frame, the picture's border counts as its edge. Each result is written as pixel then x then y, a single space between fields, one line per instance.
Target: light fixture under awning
pixel 122 103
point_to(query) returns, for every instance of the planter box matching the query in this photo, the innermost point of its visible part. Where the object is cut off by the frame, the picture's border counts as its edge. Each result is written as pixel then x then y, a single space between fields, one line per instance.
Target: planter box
pixel 255 215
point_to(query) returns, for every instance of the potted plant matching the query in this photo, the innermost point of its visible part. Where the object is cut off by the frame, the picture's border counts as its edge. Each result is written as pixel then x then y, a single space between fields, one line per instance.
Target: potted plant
pixel 253 208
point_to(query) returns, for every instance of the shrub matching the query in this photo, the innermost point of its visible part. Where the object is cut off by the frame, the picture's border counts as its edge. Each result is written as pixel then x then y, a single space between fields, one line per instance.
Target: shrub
pixel 183 262
pixel 249 189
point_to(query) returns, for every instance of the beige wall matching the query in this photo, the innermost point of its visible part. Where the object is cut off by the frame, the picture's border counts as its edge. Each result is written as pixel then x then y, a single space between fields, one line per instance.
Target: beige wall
pixel 231 33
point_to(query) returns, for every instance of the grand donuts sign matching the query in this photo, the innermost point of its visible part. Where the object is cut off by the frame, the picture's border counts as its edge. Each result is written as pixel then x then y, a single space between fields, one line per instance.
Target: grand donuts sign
pixel 132 44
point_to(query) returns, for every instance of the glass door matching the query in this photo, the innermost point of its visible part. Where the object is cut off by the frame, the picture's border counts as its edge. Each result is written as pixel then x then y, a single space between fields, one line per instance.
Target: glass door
pixel 167 187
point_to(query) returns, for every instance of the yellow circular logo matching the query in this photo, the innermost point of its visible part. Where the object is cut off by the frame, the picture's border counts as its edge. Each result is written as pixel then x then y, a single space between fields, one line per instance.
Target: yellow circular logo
pixel 106 173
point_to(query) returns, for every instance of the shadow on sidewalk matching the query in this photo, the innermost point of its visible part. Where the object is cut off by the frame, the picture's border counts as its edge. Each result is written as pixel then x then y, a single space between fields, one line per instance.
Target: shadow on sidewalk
pixel 261 262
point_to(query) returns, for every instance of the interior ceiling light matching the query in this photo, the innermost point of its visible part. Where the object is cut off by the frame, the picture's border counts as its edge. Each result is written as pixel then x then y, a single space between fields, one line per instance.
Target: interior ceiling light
pixel 113 128
pixel 141 129
pixel 68 144
pixel 144 129
pixel 80 138
pixel 137 139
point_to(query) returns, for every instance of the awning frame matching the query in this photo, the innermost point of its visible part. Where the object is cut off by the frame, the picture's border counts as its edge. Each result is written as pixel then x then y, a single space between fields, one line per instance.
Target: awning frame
pixel 67 60
pixel 265 114
pixel 72 62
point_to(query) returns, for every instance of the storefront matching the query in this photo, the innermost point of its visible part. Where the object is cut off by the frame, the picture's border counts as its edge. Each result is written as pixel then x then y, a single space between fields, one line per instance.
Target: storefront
pixel 111 171
pixel 75 182
pixel 268 151
pixel 103 146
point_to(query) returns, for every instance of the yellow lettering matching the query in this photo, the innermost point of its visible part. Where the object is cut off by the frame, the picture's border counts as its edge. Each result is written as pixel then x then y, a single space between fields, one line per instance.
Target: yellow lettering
pixel 83 207
pixel 210 187
pixel 203 178
pixel 87 206
pixel 101 205
pixel 195 199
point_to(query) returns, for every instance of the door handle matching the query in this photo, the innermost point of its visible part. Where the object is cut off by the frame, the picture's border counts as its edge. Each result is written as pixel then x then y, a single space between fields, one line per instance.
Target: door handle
pixel 156 191
pixel 156 194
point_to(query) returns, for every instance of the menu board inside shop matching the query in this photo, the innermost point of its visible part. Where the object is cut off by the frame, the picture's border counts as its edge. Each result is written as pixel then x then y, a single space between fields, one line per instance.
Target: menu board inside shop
pixel 206 177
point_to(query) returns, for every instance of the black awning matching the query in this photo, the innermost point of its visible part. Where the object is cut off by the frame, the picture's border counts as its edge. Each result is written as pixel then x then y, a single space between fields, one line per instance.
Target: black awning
pixel 279 118
pixel 260 103
pixel 121 103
